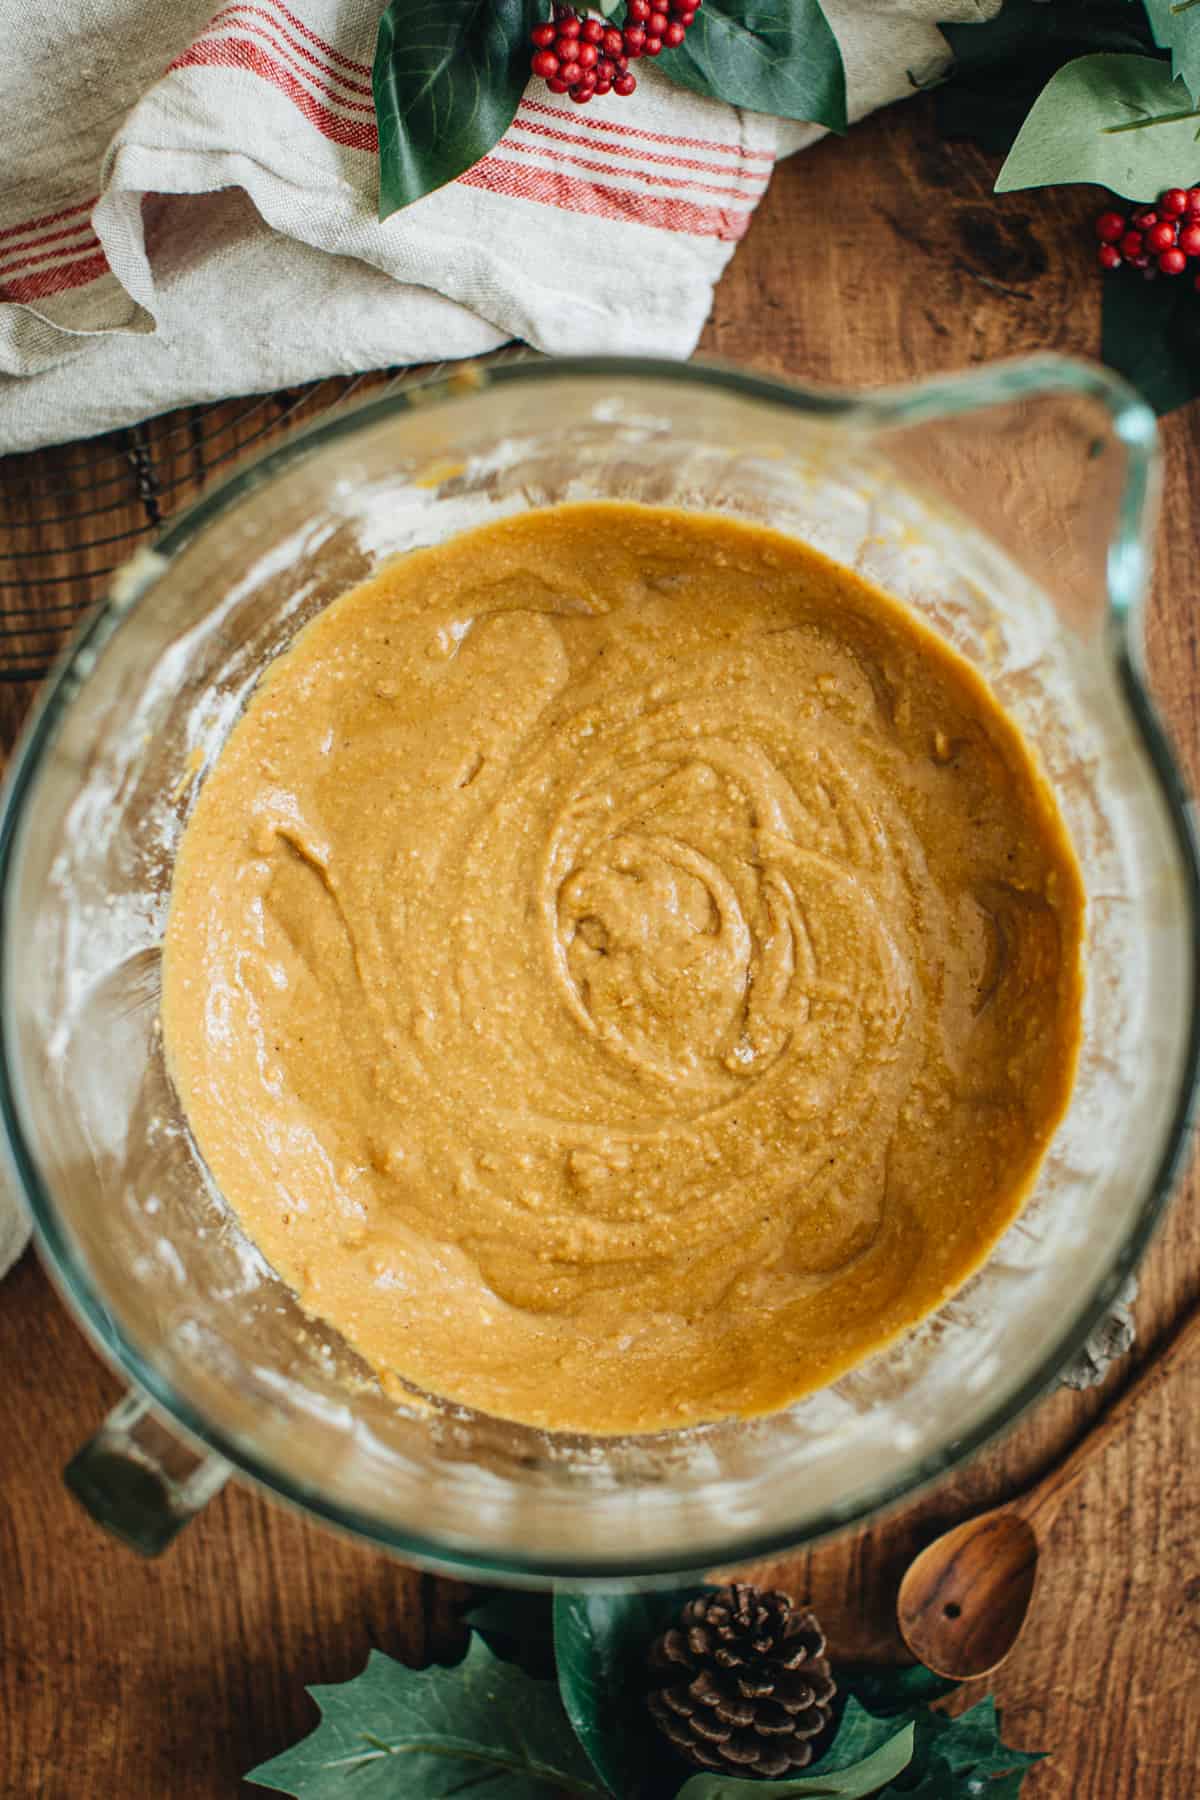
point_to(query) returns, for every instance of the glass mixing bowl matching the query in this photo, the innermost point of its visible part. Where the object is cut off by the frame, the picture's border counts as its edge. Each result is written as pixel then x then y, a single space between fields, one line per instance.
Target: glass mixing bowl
pixel 1011 508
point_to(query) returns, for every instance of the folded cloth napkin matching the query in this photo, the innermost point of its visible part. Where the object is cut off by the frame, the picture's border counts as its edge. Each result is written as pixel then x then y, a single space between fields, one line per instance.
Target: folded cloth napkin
pixel 190 208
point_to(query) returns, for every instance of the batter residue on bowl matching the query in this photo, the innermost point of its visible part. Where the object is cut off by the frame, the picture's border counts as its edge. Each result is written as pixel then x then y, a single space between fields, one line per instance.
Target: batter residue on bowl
pixel 622 969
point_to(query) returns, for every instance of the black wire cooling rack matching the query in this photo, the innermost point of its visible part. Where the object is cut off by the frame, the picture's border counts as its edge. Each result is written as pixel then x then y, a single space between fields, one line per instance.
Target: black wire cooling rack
pixel 69 517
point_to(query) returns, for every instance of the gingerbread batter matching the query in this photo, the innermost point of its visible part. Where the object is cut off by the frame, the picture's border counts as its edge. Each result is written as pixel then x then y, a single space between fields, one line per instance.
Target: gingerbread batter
pixel 622 969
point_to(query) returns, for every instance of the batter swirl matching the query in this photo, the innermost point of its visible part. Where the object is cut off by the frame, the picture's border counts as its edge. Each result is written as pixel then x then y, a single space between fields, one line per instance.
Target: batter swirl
pixel 622 969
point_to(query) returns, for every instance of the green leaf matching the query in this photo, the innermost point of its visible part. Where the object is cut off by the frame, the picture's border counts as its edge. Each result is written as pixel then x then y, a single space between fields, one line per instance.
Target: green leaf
pixel 772 56
pixel 1002 64
pixel 860 1734
pixel 447 78
pixel 972 1745
pixel 1150 334
pixel 1007 1787
pixel 940 1782
pixel 957 1756
pixel 1176 25
pixel 481 1727
pixel 864 1777
pixel 952 1757
pixel 1118 121
pixel 600 1645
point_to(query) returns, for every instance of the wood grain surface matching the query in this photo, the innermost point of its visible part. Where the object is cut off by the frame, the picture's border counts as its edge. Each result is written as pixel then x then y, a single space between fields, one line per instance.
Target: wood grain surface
pixel 870 260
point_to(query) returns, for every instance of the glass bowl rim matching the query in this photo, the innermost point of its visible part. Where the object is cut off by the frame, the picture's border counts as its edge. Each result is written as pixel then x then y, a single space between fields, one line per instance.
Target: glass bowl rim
pixel 903 406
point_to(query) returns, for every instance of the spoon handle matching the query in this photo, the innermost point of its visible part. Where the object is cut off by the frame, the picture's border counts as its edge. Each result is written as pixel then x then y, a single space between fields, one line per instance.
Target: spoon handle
pixel 1045 1498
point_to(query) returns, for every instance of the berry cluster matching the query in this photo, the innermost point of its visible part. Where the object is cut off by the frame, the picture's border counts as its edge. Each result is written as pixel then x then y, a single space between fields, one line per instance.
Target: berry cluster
pixel 1157 239
pixel 581 56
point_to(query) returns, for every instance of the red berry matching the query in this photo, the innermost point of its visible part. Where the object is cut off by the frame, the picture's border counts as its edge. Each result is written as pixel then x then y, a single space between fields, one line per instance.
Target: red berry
pixel 543 36
pixel 1160 237
pixel 674 35
pixel 569 26
pixel 637 11
pixel 1173 202
pixel 558 85
pixel 613 42
pixel 580 95
pixel 635 39
pixel 1110 226
pixel 620 64
pixel 1193 204
pixel 685 18
pixel 1172 262
pixel 1110 256
pixel 1131 244
pixel 546 64
pixel 592 31
pixel 1189 239
pixel 625 83
pixel 606 68
pixel 1144 218
pixel 587 56
pixel 656 24
pixel 570 73
pixel 565 48
pixel 653 46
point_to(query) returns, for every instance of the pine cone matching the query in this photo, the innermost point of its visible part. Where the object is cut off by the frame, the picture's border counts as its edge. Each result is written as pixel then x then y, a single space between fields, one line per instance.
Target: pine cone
pixel 744 1683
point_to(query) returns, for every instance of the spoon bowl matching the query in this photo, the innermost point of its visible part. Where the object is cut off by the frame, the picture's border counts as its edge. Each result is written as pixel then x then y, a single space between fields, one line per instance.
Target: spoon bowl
pixel 963 1601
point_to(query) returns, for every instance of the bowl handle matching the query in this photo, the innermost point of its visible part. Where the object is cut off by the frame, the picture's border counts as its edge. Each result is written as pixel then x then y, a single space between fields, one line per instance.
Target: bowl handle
pixel 140 1481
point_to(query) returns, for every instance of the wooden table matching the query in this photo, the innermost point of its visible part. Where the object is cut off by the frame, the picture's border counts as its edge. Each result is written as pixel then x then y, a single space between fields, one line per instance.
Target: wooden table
pixel 872 260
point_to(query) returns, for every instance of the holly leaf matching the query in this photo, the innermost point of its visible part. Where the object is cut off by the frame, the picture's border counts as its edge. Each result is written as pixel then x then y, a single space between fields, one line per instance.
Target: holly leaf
pixel 1150 334
pixel 859 1735
pixel 971 1744
pixel 435 1732
pixel 1002 64
pixel 1176 28
pixel 772 56
pixel 1003 1787
pixel 1118 121
pixel 941 1783
pixel 851 1781
pixel 952 1754
pixel 447 78
pixel 600 1645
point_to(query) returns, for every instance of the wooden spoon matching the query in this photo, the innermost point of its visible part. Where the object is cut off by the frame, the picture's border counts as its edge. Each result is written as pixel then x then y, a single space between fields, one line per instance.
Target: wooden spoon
pixel 963 1601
